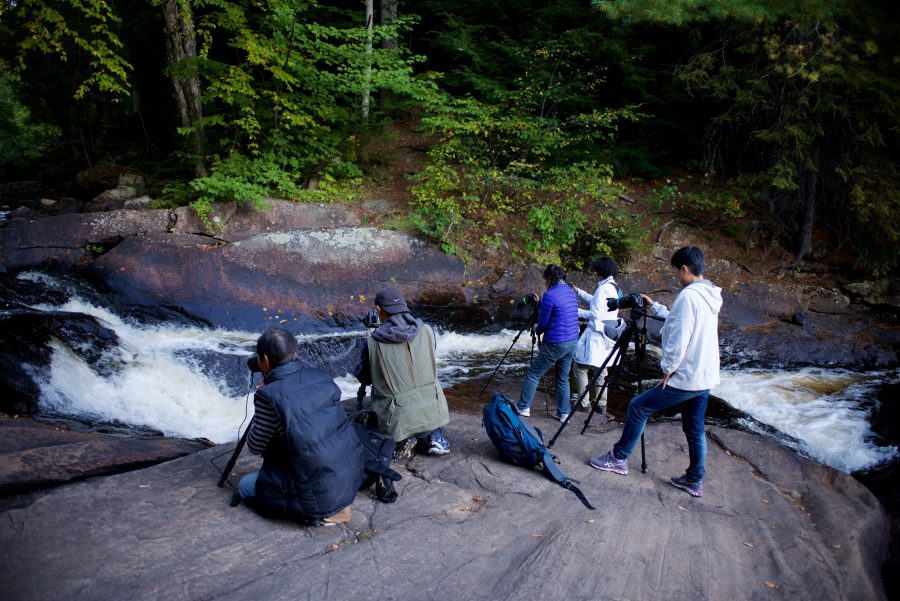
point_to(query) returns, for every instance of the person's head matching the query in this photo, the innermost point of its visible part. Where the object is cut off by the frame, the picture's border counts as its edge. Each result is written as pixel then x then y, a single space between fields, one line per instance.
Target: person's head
pixel 688 264
pixel 604 267
pixel 554 274
pixel 390 301
pixel 275 347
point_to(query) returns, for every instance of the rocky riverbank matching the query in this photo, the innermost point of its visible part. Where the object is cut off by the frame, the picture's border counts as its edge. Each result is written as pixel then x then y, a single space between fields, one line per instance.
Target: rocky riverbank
pixel 771 525
pixel 316 267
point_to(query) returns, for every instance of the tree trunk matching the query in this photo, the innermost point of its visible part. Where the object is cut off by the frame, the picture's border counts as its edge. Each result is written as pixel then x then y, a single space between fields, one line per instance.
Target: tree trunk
pixel 181 45
pixel 388 16
pixel 367 79
pixel 808 188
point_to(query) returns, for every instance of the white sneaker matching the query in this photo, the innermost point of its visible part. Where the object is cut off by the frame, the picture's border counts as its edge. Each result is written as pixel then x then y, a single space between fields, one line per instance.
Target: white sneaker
pixel 526 412
pixel 563 417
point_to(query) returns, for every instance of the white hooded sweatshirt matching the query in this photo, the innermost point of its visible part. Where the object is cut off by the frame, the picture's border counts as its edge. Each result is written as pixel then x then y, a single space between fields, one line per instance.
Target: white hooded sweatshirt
pixel 690 336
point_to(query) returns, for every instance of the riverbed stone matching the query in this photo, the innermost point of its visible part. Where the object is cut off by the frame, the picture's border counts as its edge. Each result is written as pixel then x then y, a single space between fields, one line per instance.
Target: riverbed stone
pixel 771 525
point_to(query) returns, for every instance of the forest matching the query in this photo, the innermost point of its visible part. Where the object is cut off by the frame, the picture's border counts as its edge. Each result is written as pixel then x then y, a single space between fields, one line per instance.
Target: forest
pixel 533 116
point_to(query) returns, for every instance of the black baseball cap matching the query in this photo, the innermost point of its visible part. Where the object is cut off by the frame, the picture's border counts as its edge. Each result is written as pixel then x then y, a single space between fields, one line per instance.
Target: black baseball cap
pixel 391 300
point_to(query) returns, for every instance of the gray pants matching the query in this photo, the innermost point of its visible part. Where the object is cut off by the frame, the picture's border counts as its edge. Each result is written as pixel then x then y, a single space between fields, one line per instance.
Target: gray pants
pixel 582 378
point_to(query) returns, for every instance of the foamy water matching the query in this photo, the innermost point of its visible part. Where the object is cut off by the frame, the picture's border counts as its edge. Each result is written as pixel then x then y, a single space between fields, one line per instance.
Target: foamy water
pixel 827 410
pixel 192 382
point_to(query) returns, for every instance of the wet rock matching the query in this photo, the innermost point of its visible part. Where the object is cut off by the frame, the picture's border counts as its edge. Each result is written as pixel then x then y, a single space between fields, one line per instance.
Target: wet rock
pixel 292 278
pixel 822 300
pixel 804 321
pixel 233 222
pixel 36 455
pixel 60 240
pixel 504 532
pixel 884 292
pixel 25 338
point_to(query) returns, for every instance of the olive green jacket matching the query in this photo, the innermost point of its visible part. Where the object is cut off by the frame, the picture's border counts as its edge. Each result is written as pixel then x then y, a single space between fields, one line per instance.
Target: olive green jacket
pixel 406 395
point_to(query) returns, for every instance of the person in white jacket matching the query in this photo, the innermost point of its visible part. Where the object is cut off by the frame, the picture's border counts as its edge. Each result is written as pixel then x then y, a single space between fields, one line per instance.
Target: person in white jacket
pixel 594 346
pixel 690 366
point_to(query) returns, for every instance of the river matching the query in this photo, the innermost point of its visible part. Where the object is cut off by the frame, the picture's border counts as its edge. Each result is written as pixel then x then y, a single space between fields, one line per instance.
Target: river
pixel 188 380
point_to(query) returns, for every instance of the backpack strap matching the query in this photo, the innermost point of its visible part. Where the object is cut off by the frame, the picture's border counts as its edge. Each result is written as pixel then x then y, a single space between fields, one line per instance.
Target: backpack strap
pixel 551 469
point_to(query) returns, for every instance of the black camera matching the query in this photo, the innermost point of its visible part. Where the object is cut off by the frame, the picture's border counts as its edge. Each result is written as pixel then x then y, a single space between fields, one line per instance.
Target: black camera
pixel 253 364
pixel 371 320
pixel 529 300
pixel 629 301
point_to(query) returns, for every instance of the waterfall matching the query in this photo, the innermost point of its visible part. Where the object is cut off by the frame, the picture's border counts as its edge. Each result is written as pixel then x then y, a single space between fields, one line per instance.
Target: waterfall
pixel 190 381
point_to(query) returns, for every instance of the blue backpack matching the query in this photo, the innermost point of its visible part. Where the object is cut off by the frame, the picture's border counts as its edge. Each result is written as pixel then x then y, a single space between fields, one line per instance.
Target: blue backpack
pixel 520 443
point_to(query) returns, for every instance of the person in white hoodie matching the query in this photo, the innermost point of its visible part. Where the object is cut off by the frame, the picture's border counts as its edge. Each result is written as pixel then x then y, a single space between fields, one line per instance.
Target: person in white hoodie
pixel 690 366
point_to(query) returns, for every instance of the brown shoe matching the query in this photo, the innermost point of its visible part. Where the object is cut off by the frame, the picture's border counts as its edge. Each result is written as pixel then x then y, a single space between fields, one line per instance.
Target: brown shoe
pixel 341 517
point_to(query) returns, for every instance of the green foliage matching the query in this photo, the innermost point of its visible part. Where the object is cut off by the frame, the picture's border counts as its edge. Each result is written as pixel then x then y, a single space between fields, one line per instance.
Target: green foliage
pixel 712 200
pixel 22 141
pixel 495 162
pixel 283 85
pixel 809 100
pixel 83 30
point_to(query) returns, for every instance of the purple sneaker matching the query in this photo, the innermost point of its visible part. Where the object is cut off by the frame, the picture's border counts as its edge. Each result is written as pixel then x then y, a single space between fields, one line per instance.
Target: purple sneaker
pixel 695 489
pixel 608 463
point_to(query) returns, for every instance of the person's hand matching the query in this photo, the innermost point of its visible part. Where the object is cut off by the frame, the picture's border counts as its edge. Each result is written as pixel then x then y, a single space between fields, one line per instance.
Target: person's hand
pixel 647 300
pixel 665 381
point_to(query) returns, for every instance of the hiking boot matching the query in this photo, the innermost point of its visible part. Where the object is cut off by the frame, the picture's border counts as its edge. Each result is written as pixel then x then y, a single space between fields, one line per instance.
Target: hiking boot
pixel 439 446
pixel 695 489
pixel 341 517
pixel 526 412
pixel 405 448
pixel 608 463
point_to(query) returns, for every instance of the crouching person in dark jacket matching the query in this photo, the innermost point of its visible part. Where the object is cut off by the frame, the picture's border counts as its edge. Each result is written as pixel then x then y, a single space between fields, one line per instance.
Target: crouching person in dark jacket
pixel 312 458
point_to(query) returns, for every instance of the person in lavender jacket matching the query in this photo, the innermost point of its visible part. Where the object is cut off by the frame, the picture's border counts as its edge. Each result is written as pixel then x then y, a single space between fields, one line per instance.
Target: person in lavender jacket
pixel 558 324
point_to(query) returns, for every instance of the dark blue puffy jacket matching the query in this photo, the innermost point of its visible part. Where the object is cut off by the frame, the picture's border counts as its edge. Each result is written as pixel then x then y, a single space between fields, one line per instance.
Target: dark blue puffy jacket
pixel 315 468
pixel 558 317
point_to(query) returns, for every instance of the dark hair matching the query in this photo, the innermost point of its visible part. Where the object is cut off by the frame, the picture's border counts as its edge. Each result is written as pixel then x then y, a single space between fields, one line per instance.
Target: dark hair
pixel 605 267
pixel 279 345
pixel 554 273
pixel 690 256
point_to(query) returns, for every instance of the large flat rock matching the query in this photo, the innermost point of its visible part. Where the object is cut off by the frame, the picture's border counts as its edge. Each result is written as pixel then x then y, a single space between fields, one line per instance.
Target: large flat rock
pixel 36 455
pixel 772 525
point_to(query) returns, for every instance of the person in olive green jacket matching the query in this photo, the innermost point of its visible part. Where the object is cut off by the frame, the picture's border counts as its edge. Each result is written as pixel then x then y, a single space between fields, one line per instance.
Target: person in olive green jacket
pixel 398 360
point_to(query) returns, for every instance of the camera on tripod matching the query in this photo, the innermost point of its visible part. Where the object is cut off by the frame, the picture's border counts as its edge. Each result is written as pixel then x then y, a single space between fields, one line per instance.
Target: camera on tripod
pixel 371 320
pixel 253 364
pixel 630 301
pixel 530 300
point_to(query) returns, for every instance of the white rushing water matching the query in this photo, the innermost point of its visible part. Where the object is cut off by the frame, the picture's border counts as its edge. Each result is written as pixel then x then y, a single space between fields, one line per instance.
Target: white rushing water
pixel 192 382
pixel 826 410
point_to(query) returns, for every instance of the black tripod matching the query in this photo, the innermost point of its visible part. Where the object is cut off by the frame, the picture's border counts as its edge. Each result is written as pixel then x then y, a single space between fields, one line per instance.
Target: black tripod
pixel 616 359
pixel 529 323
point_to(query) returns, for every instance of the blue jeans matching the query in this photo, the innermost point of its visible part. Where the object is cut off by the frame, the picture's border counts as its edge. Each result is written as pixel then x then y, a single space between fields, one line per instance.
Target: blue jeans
pixel 656 399
pixel 559 354
pixel 247 485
